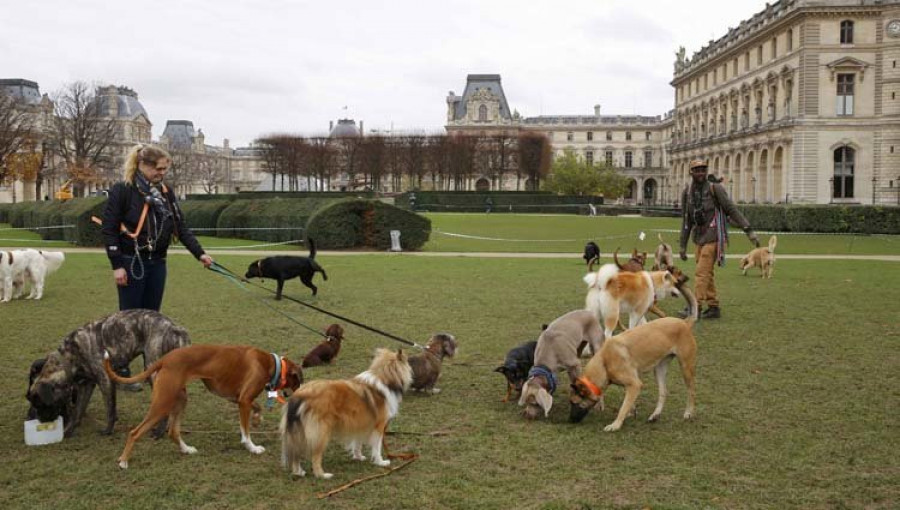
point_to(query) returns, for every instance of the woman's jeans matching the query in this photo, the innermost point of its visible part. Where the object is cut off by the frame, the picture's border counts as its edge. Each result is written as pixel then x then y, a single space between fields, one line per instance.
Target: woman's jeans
pixel 146 292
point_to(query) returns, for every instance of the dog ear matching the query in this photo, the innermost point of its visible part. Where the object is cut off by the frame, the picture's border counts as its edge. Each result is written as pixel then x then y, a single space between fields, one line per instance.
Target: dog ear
pixel 545 400
pixel 502 369
pixel 400 355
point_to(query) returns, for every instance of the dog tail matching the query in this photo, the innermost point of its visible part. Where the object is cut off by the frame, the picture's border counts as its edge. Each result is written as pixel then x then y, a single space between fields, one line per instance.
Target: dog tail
pixel 616 258
pixel 143 376
pixel 293 439
pixel 772 242
pixel 692 304
pixel 312 248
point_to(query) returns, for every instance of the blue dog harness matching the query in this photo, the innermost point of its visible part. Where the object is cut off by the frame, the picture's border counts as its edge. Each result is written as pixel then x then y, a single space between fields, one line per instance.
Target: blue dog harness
pixel 545 372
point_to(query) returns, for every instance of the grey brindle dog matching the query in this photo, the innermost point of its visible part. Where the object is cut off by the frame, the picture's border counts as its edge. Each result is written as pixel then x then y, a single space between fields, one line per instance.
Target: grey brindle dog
pixel 70 373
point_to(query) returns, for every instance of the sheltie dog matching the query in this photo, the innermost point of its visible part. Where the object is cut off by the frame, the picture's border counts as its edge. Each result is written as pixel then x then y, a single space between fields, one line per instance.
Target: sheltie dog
pixel 351 410
pixel 611 291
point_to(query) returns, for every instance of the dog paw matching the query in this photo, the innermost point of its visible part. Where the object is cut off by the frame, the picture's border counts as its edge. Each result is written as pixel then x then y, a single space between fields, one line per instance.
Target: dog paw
pixel 256 449
pixel 652 418
pixel 382 463
pixel 123 464
pixel 188 450
pixel 612 427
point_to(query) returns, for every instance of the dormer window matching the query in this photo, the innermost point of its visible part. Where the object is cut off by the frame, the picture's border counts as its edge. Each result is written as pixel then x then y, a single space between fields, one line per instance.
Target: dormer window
pixel 846 32
pixel 482 113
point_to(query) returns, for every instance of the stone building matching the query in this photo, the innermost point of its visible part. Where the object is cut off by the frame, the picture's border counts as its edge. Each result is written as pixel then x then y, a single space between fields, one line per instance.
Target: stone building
pixel 796 104
pixel 634 145
pixel 39 108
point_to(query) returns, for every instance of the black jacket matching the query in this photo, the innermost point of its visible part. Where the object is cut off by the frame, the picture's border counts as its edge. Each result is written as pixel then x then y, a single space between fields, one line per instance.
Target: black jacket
pixel 124 206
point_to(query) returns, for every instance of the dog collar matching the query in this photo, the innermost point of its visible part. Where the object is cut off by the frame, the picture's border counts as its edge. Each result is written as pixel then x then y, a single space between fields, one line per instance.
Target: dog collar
pixel 277 381
pixel 541 370
pixel 595 390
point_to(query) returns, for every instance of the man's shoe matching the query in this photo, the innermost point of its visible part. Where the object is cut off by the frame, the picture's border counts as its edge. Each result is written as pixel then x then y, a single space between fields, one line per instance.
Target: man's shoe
pixel 684 314
pixel 713 312
pixel 134 387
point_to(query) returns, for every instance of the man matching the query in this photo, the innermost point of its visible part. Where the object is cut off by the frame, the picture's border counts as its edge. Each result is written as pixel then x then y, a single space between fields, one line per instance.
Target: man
pixel 706 210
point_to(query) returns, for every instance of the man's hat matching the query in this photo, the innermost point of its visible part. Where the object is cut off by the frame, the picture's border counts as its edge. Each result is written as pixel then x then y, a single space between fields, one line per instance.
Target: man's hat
pixel 698 164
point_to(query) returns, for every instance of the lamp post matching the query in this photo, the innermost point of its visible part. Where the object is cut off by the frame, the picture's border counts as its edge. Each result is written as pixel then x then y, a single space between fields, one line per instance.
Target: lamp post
pixel 831 191
pixel 753 185
pixel 874 182
pixel 897 182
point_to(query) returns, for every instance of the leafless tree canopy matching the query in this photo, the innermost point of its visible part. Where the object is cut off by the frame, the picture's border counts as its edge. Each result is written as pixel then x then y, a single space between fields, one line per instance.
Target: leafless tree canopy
pixel 448 161
pixel 15 132
pixel 81 136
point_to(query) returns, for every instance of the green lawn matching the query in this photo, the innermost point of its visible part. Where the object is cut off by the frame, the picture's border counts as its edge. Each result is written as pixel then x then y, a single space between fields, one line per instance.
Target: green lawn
pixel 797 395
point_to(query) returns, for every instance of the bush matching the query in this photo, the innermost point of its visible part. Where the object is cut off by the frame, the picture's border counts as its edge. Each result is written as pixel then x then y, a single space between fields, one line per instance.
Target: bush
pixel 76 214
pixel 4 212
pixel 246 219
pixel 837 219
pixel 201 215
pixel 356 223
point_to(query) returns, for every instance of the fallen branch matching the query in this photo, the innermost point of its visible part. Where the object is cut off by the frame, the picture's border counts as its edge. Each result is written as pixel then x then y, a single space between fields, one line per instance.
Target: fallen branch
pixel 323 495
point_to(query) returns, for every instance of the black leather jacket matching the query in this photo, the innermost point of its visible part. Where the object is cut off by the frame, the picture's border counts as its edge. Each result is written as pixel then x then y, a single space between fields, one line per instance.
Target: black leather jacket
pixel 124 206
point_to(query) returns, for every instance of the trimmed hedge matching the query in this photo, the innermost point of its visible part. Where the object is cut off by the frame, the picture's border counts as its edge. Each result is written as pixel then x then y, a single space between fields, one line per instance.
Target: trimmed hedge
pixel 837 219
pixel 242 218
pixel 4 212
pixel 203 214
pixel 504 201
pixel 355 223
pixel 55 213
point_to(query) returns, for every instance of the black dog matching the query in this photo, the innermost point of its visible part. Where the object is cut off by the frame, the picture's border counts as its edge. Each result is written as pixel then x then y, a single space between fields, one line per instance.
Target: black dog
pixel 519 361
pixel 591 255
pixel 285 267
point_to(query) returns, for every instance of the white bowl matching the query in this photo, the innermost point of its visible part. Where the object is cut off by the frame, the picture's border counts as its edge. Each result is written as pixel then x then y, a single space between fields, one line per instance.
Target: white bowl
pixel 37 433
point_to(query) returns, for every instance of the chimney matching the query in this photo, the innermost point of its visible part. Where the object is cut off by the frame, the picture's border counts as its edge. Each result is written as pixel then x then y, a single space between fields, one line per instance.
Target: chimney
pixel 330 126
pixel 597 110
pixel 112 100
pixel 225 144
pixel 362 132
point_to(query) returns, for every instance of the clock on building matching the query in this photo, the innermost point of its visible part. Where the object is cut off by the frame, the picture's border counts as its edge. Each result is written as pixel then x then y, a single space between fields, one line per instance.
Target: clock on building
pixel 893 28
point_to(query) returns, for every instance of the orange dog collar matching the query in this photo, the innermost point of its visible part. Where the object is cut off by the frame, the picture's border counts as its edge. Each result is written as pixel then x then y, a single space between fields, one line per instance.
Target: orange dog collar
pixel 595 390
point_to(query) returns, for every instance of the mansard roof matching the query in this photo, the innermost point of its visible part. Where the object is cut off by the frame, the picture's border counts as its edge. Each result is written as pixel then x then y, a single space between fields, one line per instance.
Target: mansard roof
pixel 491 82
pixel 180 133
pixel 25 90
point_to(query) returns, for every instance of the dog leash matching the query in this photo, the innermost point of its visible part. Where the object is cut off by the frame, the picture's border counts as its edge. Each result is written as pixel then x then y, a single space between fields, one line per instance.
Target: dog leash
pixel 220 269
pixel 216 268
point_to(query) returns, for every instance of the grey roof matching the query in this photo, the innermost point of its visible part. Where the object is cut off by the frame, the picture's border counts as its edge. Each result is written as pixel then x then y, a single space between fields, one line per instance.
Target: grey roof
pixel 22 89
pixel 180 133
pixel 345 128
pixel 608 120
pixel 127 101
pixel 482 81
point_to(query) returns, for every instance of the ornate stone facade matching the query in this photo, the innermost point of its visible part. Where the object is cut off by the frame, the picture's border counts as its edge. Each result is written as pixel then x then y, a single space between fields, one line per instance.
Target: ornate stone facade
pixel 797 104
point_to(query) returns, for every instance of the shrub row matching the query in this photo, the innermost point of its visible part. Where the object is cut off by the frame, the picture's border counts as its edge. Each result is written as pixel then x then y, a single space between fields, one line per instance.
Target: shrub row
pixel 202 216
pixel 271 220
pixel 77 212
pixel 838 219
pixel 469 201
pixel 355 223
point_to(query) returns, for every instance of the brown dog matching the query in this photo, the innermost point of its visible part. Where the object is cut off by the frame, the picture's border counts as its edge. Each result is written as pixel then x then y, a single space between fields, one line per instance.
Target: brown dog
pixel 635 263
pixel 326 351
pixel 611 291
pixel 622 358
pixel 763 258
pixel 426 367
pixel 238 373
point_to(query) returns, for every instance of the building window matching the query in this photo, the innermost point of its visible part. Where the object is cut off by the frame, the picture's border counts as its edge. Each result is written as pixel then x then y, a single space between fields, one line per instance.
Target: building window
pixel 609 135
pixel 746 61
pixel 648 159
pixel 570 136
pixel 790 40
pixel 843 172
pixel 589 158
pixel 648 135
pixel 845 94
pixel 734 68
pixel 482 113
pixel 846 32
pixel 628 135
pixel 628 159
pixel 590 136
pixel 759 55
pixel 609 158
pixel 774 47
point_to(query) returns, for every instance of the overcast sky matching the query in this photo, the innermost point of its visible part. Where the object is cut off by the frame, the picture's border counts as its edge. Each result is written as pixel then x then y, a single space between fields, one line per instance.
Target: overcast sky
pixel 241 69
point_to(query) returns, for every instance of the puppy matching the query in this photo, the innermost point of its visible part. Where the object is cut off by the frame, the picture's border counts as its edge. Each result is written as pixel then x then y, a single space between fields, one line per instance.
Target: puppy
pixel 354 411
pixel 611 290
pixel 591 255
pixel 622 358
pixel 634 264
pixel 285 267
pixel 515 367
pixel 663 258
pixel 426 367
pixel 763 258
pixel 557 348
pixel 326 351
pixel 235 372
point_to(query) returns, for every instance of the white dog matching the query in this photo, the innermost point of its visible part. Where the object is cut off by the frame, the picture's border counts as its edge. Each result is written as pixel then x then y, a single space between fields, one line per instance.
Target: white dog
pixel 19 266
pixel 611 290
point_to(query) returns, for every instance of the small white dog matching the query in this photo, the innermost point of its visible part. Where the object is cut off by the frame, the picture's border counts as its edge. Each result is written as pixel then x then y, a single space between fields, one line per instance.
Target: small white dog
pixel 19 266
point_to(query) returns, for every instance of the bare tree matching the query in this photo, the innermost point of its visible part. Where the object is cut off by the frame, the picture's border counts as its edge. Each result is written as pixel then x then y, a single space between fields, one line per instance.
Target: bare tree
pixel 16 125
pixel 412 160
pixel 372 162
pixel 462 153
pixel 209 169
pixel 437 159
pixel 82 136
pixel 534 157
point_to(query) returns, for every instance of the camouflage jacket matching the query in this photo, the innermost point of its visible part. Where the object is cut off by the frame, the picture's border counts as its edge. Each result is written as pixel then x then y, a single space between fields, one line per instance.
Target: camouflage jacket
pixel 703 200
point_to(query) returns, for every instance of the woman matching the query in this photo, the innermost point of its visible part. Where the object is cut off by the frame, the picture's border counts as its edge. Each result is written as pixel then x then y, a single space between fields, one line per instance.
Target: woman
pixel 141 217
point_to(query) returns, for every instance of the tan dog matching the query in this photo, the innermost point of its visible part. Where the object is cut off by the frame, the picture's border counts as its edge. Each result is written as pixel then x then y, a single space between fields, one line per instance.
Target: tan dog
pixel 238 373
pixel 664 260
pixel 355 410
pixel 426 367
pixel 622 359
pixel 557 348
pixel 611 290
pixel 635 263
pixel 763 258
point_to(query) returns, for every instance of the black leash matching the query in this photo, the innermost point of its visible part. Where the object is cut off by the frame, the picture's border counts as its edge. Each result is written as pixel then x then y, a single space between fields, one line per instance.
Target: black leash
pixel 224 271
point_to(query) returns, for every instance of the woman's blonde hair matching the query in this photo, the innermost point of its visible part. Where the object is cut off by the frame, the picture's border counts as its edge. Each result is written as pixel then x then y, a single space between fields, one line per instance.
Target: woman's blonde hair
pixel 149 154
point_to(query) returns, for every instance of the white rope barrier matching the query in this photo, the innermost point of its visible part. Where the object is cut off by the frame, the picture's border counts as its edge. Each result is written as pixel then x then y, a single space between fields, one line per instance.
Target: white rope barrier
pixel 38 228
pixel 296 241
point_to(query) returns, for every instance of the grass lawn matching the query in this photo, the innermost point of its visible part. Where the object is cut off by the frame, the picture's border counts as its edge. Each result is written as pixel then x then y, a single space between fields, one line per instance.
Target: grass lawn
pixel 797 394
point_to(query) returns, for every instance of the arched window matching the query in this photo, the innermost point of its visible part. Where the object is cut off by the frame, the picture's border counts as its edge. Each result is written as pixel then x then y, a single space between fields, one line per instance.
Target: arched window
pixel 846 32
pixel 482 113
pixel 844 159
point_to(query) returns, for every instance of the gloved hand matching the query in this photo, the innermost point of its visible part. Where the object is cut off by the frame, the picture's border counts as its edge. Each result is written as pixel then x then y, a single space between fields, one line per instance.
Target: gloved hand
pixel 753 237
pixel 683 255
